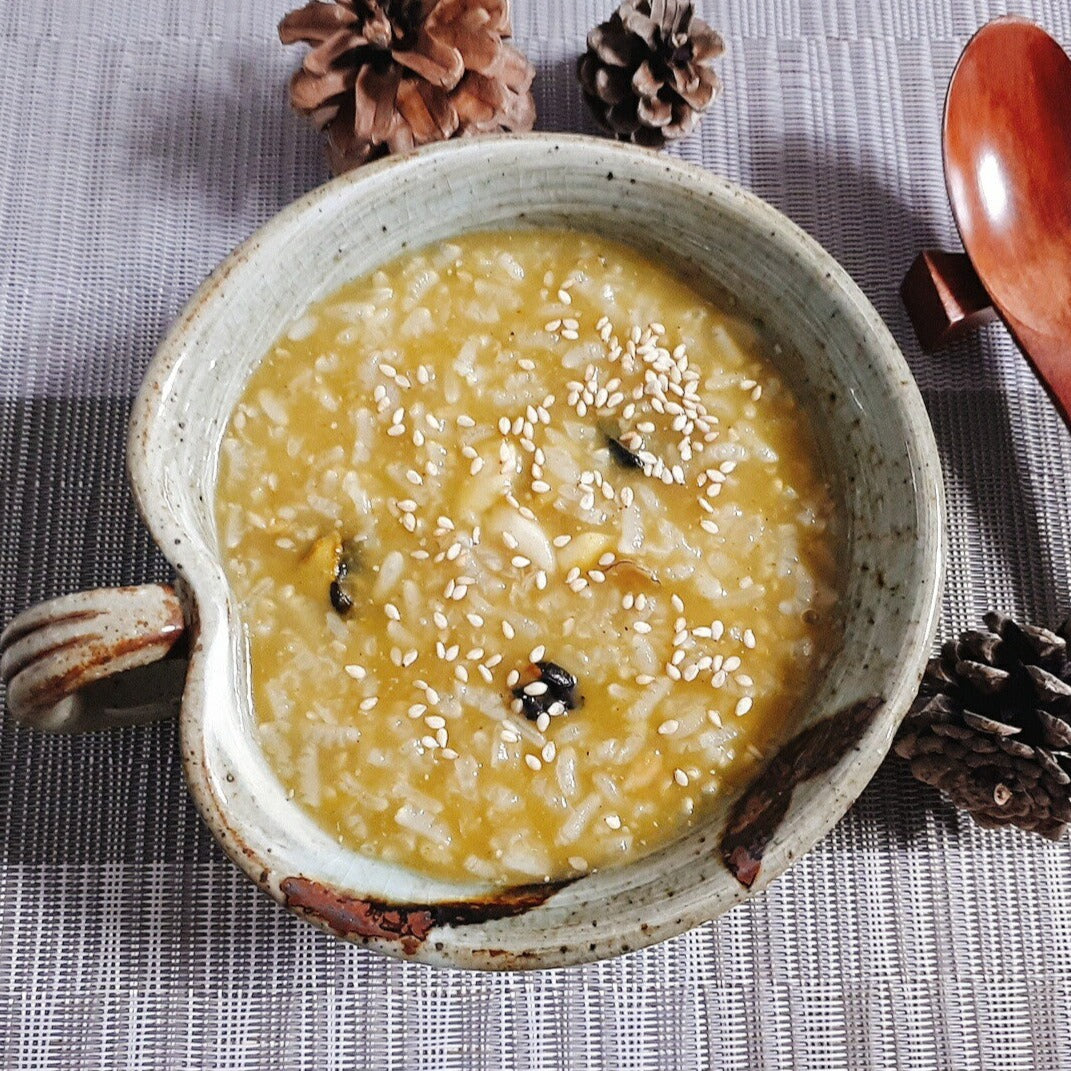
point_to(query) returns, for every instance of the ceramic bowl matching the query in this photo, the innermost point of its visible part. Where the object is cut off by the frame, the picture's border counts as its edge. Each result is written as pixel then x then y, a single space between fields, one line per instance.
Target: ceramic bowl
pixel 109 657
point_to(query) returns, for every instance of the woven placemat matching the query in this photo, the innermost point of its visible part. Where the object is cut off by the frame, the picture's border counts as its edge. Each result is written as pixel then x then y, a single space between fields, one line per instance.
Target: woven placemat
pixel 140 143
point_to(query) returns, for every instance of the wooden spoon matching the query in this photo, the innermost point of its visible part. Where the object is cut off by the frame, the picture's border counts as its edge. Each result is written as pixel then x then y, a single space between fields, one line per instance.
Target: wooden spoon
pixel 1007 151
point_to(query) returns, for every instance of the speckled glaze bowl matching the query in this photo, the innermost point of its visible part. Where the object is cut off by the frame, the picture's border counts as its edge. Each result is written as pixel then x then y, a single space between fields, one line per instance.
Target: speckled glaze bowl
pixel 112 657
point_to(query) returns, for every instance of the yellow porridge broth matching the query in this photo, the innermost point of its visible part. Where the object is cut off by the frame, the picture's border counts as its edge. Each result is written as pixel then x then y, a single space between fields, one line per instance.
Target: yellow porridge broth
pixel 495 466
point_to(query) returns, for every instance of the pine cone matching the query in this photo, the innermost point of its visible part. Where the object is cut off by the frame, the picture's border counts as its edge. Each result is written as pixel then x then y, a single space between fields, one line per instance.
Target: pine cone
pixel 387 75
pixel 647 73
pixel 991 727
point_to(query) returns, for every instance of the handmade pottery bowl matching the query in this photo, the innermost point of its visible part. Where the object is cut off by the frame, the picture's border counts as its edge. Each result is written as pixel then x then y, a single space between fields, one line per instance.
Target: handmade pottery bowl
pixel 109 657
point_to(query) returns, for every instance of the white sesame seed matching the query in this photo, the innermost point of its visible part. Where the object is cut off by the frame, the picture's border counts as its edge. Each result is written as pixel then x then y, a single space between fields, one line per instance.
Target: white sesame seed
pixel 565 298
pixel 537 653
pixel 417 709
pixel 743 705
pixel 395 430
pixel 678 657
pixel 731 664
pixel 597 575
pixel 407 505
pixel 690 672
pixel 668 727
pixel 418 437
pixel 475 620
pixel 445 522
pixel 429 742
pixel 749 638
pixel 440 619
pixel 461 673
pixel 535 688
pixel 552 325
pixel 392 612
pixel 465 421
pixel 414 477
pixel 718 679
pixel 744 680
pixel 644 679
pixel 410 657
pixel 476 467
pixel 677 602
pixel 484 672
pixel 540 486
pixel 708 525
pixel 562 540
pixel 672 672
pixel 432 695
pixel 493 661
pixel 543 722
pixel 511 678
pixel 520 561
pixel 717 629
pixel 452 652
pixel 369 703
pixel 549 751
pixel 613 821
pixel 532 762
pixel 358 673
pixel 541 579
pixel 642 626
pixel 680 777
pixel 508 630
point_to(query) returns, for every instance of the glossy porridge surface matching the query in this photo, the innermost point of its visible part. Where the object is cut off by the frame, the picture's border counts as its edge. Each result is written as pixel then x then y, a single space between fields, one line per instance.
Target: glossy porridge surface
pixel 533 553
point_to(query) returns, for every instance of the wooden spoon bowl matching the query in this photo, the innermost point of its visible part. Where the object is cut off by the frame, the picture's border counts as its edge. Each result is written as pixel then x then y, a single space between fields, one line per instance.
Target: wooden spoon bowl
pixel 1007 155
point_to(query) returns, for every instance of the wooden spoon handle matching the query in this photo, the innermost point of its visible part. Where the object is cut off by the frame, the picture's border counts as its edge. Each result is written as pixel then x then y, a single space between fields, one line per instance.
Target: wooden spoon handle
pixel 945 298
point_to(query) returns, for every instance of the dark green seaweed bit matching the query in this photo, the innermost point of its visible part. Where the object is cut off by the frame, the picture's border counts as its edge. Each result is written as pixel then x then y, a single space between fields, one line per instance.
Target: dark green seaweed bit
pixel 349 562
pixel 622 454
pixel 340 599
pixel 561 690
pixel 560 681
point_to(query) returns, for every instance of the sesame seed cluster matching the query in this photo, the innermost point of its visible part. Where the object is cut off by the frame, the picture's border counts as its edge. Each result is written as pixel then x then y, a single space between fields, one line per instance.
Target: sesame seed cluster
pixel 584 550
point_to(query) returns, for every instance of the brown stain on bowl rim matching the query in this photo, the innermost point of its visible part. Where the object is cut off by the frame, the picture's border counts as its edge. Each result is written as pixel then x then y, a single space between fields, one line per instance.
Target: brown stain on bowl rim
pixel 408 924
pixel 756 815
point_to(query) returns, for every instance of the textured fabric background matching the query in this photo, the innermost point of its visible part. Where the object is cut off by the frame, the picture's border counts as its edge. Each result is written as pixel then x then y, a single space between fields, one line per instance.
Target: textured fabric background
pixel 138 144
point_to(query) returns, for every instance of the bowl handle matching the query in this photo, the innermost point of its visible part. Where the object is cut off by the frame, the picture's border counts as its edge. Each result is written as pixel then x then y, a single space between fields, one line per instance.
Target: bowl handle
pixel 98 659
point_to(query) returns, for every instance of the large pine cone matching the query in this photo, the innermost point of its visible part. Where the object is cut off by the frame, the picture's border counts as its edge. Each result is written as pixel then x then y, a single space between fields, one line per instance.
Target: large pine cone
pixel 387 75
pixel 647 73
pixel 991 727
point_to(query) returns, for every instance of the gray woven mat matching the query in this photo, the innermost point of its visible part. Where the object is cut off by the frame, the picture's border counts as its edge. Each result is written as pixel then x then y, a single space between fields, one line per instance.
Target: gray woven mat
pixel 140 143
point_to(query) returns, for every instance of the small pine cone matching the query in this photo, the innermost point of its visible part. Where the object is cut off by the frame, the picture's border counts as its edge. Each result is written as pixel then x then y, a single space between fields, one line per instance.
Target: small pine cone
pixel 647 73
pixel 384 76
pixel 991 727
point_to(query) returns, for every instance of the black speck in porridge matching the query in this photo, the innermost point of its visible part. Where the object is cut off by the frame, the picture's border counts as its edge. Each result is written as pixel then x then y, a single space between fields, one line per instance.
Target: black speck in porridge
pixel 490 638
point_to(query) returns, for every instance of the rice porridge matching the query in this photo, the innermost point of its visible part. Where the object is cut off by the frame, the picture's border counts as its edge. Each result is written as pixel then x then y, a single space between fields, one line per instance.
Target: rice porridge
pixel 533 552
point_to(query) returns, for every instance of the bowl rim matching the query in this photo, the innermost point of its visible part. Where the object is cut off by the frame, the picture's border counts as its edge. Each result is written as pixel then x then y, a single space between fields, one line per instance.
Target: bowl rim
pixel 212 622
